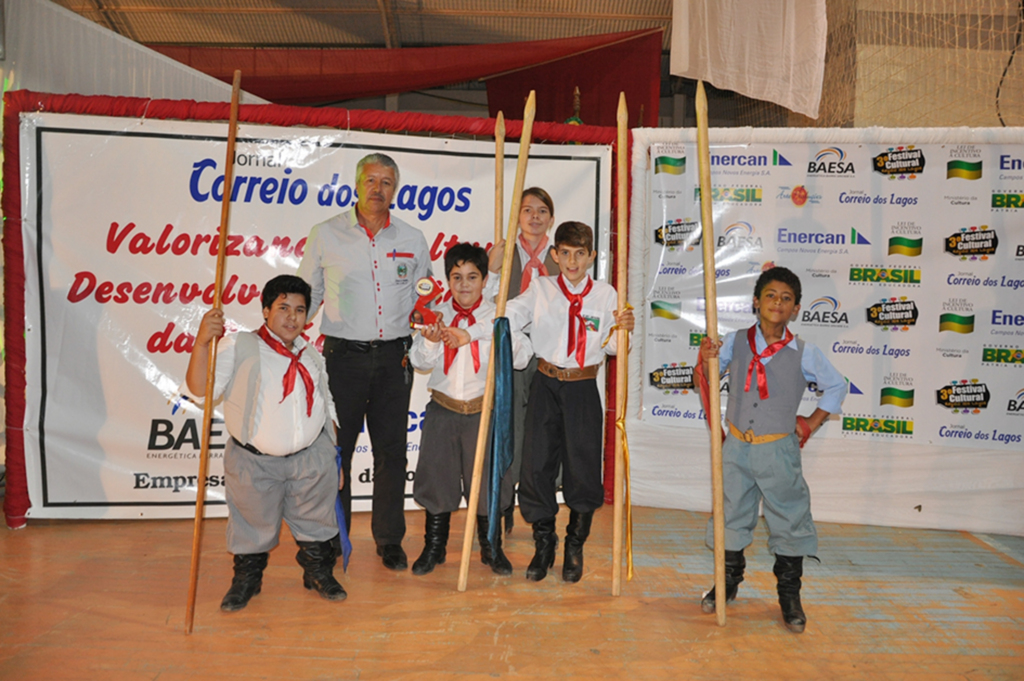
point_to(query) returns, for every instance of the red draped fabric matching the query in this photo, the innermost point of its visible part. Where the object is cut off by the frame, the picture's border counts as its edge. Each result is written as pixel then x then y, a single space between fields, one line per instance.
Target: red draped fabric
pixel 16 501
pixel 631 65
pixel 601 66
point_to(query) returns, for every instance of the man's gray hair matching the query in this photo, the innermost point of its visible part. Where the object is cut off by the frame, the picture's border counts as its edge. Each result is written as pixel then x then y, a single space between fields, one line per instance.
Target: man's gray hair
pixel 378 159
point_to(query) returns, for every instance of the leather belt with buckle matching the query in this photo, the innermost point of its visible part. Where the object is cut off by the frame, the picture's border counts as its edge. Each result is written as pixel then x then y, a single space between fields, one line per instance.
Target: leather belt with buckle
pixel 549 369
pixel 367 346
pixel 465 407
pixel 752 439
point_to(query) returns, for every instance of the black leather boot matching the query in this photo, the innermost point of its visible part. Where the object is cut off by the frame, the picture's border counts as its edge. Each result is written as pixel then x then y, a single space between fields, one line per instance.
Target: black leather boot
pixel 247 582
pixel 789 570
pixel 546 542
pixel 492 555
pixel 735 563
pixel 435 543
pixel 576 533
pixel 317 559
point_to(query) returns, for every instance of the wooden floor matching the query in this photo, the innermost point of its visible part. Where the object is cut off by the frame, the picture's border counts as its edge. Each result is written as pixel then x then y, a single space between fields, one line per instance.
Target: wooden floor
pixel 106 600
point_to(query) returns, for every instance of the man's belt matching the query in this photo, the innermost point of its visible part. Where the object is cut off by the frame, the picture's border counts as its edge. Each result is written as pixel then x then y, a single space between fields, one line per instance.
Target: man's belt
pixel 466 407
pixel 367 346
pixel 549 369
pixel 249 448
pixel 752 439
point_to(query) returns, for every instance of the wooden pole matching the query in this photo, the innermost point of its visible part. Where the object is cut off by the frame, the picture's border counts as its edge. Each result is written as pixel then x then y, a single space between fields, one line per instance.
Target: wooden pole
pixel 711 319
pixel 506 266
pixel 622 358
pixel 211 367
pixel 499 175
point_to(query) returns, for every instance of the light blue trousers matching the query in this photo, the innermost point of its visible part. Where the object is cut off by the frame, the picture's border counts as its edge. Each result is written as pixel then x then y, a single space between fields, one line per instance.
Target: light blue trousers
pixel 772 472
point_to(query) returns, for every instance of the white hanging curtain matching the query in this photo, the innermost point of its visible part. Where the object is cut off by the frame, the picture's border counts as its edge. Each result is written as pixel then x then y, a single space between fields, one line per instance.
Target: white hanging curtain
pixel 772 50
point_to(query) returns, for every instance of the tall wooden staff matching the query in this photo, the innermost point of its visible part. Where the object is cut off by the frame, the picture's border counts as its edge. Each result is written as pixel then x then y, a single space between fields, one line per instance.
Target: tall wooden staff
pixel 506 267
pixel 622 358
pixel 711 319
pixel 499 174
pixel 204 451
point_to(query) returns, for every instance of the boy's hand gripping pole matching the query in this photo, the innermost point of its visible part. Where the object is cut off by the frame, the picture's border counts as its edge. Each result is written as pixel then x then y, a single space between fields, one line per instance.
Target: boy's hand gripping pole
pixel 711 319
pixel 204 451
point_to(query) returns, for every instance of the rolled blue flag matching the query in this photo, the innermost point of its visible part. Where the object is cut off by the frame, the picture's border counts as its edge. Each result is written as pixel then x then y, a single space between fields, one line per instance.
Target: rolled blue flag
pixel 501 424
pixel 346 545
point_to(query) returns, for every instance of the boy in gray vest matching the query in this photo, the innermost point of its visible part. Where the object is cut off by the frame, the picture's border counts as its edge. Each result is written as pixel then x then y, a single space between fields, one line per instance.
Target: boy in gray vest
pixel 769 372
pixel 279 463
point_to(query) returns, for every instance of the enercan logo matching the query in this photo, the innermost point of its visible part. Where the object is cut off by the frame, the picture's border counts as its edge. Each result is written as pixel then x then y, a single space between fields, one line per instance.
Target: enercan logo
pixel 829 162
pixel 785 236
pixel 777 159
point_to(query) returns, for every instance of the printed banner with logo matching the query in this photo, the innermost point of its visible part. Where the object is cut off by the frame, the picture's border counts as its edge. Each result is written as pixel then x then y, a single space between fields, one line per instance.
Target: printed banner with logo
pixel 120 248
pixel 911 257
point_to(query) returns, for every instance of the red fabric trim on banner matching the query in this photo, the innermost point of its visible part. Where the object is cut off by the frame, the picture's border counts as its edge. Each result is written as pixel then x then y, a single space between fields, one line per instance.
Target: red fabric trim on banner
pixel 632 66
pixel 317 75
pixel 16 501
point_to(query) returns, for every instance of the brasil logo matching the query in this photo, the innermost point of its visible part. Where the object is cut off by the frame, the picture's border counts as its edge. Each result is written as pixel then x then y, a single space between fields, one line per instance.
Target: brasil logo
pixel 1006 355
pixel 885 275
pixel 958 323
pixel 901 245
pixel 670 165
pixel 965 170
pixel 872 425
pixel 898 397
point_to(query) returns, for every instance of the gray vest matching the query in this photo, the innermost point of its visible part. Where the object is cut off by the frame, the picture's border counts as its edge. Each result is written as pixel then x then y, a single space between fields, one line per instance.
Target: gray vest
pixel 515 281
pixel 241 392
pixel 786 385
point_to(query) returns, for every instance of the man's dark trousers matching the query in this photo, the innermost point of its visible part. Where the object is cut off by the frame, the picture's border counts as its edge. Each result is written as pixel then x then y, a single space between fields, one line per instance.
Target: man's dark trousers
pixel 369 379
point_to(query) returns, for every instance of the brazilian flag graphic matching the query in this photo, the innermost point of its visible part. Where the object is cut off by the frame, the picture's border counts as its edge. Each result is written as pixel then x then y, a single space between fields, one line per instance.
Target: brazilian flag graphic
pixel 963 169
pixel 897 397
pixel 901 245
pixel 670 165
pixel 666 310
pixel 956 322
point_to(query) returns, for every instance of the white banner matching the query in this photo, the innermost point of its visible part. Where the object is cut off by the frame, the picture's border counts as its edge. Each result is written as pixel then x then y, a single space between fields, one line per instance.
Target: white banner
pixel 120 231
pixel 911 257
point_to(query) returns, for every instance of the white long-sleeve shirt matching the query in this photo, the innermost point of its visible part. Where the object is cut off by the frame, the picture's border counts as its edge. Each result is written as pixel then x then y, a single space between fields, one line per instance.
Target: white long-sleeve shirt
pixel 543 313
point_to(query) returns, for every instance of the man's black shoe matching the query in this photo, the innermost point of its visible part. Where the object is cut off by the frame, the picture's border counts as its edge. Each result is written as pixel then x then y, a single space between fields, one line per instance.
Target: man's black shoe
pixel 393 556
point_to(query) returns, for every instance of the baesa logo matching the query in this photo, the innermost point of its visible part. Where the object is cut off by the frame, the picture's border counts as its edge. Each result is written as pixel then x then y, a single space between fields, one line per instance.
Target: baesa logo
pixel 829 162
pixel 740 236
pixel 824 311
pixel 1015 407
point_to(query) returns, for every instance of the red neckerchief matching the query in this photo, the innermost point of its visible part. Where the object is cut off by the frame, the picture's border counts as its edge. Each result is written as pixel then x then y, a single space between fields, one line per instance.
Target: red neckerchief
pixel 474 347
pixel 755 363
pixel 577 325
pixel 535 263
pixel 295 367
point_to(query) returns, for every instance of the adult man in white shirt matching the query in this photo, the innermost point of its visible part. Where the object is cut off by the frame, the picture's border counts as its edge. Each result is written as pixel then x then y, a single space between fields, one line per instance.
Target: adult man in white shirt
pixel 363 266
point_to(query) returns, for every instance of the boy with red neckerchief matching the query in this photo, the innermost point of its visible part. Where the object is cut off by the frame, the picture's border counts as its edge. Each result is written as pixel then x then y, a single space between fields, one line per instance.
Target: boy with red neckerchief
pixel 769 372
pixel 457 356
pixel 570 319
pixel 279 463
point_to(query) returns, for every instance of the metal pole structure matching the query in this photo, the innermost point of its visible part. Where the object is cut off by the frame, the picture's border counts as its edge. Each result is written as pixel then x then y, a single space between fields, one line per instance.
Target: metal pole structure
pixel 711 319
pixel 211 368
pixel 622 357
pixel 485 415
